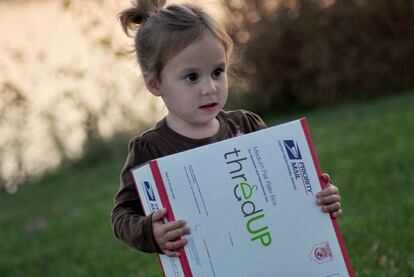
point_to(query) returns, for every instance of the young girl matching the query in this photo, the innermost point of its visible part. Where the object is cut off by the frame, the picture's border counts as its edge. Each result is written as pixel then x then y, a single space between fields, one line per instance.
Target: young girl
pixel 184 56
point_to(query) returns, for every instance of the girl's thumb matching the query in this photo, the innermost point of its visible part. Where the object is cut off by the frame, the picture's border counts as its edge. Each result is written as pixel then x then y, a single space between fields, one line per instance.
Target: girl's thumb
pixel 326 177
pixel 158 215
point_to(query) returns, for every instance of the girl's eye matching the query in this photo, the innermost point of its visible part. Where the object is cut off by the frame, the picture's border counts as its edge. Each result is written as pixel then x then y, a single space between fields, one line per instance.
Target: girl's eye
pixel 192 77
pixel 217 72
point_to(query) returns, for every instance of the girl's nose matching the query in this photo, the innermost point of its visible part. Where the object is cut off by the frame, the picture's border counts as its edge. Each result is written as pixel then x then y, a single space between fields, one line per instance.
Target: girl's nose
pixel 209 87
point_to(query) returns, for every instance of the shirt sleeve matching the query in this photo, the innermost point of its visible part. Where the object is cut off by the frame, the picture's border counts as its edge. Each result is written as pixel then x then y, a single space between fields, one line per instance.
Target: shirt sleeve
pixel 254 121
pixel 129 222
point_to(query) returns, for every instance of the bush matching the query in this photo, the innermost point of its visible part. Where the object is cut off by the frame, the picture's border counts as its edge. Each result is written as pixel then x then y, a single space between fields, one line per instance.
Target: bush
pixel 312 52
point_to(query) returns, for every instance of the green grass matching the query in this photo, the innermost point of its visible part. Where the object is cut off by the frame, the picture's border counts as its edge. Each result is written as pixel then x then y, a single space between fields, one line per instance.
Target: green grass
pixel 59 226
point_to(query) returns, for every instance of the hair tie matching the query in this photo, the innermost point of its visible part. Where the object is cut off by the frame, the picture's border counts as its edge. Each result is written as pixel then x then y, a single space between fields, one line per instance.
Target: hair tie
pixel 148 16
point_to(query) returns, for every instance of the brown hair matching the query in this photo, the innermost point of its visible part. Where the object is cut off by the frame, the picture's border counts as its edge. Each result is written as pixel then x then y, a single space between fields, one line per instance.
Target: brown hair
pixel 161 33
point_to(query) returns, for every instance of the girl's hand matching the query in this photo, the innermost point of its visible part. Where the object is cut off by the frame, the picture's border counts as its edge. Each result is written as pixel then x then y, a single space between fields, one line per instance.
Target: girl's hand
pixel 168 235
pixel 329 198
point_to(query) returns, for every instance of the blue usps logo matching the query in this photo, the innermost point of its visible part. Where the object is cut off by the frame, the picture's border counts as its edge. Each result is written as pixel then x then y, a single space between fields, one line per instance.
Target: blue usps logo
pixel 149 191
pixel 292 149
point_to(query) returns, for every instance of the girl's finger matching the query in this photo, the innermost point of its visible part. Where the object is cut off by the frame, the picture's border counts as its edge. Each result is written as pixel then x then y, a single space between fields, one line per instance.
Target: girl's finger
pixel 173 245
pixel 337 213
pixel 326 177
pixel 177 233
pixel 331 189
pixel 171 253
pixel 158 215
pixel 173 225
pixel 329 199
pixel 331 208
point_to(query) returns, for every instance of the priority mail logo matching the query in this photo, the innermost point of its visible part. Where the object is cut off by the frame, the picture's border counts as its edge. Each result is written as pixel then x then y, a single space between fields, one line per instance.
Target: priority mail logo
pixel 296 165
pixel 292 149
pixel 148 189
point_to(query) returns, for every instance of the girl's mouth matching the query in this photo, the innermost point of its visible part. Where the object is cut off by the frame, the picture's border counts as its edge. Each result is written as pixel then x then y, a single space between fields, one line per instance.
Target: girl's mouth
pixel 208 107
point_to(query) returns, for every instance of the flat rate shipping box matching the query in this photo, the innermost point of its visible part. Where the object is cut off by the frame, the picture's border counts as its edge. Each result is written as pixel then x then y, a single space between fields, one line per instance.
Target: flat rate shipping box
pixel 250 203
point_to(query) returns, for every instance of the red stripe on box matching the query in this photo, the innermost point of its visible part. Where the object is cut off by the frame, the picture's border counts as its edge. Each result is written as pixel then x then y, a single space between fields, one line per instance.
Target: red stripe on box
pixel 142 207
pixel 323 185
pixel 170 215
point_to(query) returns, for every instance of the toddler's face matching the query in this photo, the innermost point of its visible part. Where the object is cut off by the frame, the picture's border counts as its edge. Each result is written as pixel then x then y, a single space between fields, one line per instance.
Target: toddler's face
pixel 194 84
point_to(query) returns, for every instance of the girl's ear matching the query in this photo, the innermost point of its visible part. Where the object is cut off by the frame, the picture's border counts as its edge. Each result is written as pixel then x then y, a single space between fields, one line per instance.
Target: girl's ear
pixel 152 83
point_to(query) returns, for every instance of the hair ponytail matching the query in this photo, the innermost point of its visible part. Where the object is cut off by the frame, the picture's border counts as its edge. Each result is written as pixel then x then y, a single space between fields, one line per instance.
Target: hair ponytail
pixel 162 32
pixel 138 14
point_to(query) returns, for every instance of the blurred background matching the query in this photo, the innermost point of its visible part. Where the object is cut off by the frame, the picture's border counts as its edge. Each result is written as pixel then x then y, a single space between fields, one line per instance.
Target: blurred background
pixel 71 96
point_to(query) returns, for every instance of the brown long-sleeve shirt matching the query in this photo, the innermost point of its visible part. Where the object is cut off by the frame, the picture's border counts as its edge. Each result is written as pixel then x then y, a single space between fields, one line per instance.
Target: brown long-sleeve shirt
pixel 128 219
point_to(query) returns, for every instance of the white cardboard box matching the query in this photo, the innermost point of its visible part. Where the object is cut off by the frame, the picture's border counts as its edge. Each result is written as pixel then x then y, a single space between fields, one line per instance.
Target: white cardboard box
pixel 251 206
